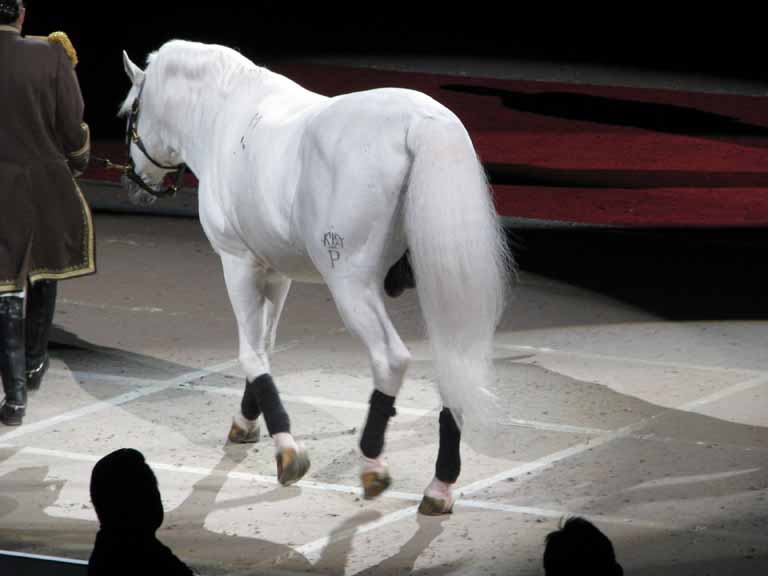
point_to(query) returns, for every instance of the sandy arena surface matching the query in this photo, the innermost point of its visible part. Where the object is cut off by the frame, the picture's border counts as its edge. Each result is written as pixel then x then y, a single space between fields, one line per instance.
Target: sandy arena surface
pixel 654 428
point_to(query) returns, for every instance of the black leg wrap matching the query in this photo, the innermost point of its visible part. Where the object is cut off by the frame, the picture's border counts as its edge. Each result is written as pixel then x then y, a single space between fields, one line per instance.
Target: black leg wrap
pixel 262 395
pixel 448 464
pixel 249 405
pixel 381 410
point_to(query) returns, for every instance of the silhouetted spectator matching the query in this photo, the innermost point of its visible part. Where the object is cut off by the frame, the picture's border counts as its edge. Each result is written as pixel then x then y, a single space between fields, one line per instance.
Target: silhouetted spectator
pixel 127 500
pixel 579 548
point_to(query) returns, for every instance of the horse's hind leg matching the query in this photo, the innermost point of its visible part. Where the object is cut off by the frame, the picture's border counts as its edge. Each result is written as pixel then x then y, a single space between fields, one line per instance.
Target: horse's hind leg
pixel 257 298
pixel 362 309
pixel 438 497
pixel 276 291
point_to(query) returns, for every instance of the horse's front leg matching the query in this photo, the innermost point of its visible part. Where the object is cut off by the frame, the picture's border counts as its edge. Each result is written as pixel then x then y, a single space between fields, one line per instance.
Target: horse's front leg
pixel 257 298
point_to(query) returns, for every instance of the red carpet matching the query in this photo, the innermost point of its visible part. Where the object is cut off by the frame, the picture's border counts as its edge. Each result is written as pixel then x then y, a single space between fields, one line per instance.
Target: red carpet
pixel 589 154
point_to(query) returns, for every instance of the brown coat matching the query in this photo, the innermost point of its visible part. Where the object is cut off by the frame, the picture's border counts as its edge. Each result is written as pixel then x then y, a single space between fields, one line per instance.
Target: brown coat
pixel 46 229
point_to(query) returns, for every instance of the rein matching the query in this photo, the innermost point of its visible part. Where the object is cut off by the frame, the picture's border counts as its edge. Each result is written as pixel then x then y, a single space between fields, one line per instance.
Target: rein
pixel 108 164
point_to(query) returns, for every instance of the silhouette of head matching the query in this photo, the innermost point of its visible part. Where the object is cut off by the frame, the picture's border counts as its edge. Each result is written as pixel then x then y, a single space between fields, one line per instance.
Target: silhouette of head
pixel 580 548
pixel 10 11
pixel 124 493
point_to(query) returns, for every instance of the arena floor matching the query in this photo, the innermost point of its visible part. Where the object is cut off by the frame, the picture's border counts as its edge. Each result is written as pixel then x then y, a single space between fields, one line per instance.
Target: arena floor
pixel 654 428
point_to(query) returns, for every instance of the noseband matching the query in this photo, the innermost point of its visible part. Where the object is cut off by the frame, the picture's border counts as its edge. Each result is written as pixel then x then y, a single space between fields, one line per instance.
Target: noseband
pixel 132 135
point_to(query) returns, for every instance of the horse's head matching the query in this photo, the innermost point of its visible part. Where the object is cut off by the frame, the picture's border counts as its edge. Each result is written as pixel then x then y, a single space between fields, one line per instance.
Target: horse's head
pixel 151 158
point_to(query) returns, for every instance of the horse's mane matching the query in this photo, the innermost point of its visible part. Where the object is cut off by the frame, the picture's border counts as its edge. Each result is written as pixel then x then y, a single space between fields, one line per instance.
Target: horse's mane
pixel 205 65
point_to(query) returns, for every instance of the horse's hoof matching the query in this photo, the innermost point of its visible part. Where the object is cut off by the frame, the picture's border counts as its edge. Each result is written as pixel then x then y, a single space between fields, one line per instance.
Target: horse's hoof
pixel 435 506
pixel 239 434
pixel 291 465
pixel 375 482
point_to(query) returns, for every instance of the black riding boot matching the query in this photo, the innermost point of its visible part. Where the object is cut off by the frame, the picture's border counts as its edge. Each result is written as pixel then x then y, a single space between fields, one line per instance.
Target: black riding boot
pixel 41 305
pixel 12 360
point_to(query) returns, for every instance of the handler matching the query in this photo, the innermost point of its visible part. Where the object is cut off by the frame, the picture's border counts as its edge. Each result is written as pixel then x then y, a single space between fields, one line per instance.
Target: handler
pixel 46 230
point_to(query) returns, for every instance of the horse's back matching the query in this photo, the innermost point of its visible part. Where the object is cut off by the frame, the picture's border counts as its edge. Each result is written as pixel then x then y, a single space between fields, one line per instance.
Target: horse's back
pixel 354 164
pixel 377 112
pixel 364 136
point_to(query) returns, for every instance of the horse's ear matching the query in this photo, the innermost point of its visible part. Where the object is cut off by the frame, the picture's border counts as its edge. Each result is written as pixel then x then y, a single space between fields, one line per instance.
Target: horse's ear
pixel 135 73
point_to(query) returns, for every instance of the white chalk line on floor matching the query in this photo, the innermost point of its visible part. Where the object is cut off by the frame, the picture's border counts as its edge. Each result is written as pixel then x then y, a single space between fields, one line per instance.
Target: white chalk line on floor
pixel 730 391
pixel 185 380
pixel 592 443
pixel 62 560
pixel 311 400
pixel 148 387
pixel 420 412
pixel 528 469
pixel 311 548
pixel 362 406
pixel 628 359
pixel 116 401
pixel 270 480
pixel 43 557
pixel 118 307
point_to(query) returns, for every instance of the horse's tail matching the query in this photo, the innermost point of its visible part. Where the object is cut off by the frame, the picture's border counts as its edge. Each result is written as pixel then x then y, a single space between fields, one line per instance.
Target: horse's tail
pixel 460 262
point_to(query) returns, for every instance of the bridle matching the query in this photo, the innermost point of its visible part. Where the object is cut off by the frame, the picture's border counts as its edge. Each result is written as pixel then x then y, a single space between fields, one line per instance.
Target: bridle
pixel 132 136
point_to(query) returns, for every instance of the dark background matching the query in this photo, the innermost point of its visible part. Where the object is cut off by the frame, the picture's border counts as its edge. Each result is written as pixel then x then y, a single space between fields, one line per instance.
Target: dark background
pixel 724 40
pixel 718 41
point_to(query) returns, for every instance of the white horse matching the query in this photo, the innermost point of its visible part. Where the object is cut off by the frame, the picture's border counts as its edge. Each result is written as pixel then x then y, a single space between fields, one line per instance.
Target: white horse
pixel 351 190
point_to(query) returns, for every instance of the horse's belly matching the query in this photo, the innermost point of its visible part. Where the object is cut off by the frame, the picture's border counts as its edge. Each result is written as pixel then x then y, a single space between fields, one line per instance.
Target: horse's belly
pixel 284 259
pixel 246 232
pixel 295 266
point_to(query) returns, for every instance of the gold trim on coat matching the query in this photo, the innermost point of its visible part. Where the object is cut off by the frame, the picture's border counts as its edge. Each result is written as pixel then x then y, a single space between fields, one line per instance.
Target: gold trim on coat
pixel 85 148
pixel 89 254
